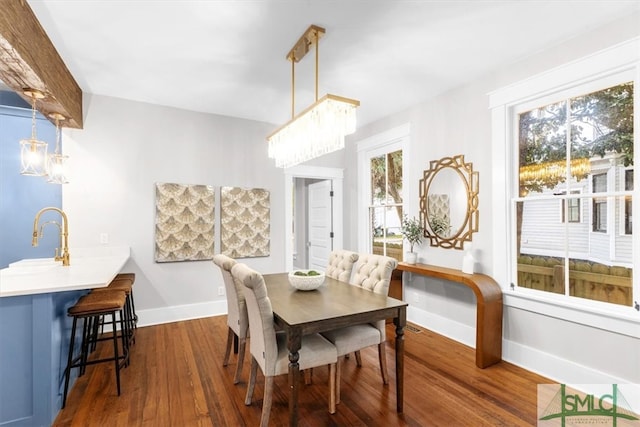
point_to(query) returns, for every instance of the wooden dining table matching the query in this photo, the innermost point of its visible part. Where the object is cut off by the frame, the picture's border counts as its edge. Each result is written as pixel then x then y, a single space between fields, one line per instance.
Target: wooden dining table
pixel 332 306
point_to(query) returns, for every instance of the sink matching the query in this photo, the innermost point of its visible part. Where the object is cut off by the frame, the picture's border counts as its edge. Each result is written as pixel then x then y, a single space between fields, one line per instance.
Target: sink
pixel 30 269
pixel 34 262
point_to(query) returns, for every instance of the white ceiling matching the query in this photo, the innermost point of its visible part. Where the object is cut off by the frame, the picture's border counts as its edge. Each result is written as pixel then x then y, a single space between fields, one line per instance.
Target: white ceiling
pixel 228 57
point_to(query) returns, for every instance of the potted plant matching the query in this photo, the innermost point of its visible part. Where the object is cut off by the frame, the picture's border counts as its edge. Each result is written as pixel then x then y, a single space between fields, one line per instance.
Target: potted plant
pixel 413 232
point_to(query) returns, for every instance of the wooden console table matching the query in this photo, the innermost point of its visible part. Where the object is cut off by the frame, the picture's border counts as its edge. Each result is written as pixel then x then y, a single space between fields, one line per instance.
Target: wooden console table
pixel 488 310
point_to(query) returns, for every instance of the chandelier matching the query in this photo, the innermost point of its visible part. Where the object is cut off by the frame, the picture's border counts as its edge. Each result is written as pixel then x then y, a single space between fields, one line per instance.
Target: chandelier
pixel 33 153
pixel 57 163
pixel 321 127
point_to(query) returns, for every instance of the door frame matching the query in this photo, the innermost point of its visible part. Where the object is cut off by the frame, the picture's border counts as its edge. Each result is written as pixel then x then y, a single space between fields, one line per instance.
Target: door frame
pixel 336 175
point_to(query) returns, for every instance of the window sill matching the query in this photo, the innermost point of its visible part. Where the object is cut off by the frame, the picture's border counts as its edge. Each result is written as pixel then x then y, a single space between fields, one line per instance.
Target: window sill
pixel 621 320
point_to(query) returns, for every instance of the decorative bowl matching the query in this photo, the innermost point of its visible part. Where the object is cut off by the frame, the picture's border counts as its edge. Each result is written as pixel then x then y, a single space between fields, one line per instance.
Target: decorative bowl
pixel 306 283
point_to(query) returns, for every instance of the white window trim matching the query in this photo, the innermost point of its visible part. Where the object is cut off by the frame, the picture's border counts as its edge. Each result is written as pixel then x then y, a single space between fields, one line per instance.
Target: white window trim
pixel 624 57
pixel 391 140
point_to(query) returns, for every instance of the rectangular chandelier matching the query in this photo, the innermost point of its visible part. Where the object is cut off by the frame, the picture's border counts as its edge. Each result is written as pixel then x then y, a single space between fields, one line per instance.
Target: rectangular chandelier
pixel 319 129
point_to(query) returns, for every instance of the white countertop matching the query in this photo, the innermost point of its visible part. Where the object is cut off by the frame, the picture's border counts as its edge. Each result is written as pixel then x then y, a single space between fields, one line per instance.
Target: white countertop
pixel 89 268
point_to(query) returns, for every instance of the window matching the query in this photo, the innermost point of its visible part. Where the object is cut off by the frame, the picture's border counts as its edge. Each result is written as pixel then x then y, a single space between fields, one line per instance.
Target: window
pixel 385 206
pixel 551 133
pixel 561 145
pixel 600 204
pixel 570 207
pixel 381 186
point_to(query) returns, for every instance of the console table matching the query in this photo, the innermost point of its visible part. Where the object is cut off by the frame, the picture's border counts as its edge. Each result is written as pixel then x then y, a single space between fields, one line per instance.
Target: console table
pixel 488 307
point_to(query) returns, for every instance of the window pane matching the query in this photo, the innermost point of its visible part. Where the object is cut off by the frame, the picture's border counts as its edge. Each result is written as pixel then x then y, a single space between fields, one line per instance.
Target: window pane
pixel 394 166
pixel 386 236
pixel 541 257
pixel 594 276
pixel 542 148
pixel 378 180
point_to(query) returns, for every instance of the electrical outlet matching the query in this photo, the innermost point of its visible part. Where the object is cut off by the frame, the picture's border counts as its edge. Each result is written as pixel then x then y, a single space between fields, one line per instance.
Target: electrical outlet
pixel 221 291
pixel 417 299
pixel 104 238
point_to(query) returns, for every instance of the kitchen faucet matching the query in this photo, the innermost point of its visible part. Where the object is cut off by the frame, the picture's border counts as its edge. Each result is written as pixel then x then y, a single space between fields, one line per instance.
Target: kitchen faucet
pixel 64 234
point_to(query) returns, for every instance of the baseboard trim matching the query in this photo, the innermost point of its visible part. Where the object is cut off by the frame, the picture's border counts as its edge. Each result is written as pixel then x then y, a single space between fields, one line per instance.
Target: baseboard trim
pixel 559 370
pixel 177 313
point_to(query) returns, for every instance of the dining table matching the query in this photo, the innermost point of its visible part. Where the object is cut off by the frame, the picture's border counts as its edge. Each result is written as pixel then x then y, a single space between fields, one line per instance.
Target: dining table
pixel 333 305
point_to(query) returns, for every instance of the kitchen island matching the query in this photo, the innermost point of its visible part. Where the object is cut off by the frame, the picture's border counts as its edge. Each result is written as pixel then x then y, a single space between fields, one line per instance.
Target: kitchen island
pixel 34 328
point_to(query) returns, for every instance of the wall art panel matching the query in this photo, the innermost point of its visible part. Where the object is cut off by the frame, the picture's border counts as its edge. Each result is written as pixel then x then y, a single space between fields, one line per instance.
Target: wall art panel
pixel 184 222
pixel 244 222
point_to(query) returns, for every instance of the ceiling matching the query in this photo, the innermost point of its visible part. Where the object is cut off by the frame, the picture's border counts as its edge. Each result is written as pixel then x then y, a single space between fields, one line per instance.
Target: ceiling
pixel 228 57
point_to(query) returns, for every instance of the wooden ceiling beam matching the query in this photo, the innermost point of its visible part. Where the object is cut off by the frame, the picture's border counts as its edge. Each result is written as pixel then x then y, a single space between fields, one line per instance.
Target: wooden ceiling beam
pixel 28 60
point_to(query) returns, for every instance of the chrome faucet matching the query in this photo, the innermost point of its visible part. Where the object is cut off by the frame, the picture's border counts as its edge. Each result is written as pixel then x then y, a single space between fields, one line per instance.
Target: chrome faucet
pixel 64 234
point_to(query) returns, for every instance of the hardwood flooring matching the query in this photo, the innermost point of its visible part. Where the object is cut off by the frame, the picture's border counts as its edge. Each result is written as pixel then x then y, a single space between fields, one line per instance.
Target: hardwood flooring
pixel 176 378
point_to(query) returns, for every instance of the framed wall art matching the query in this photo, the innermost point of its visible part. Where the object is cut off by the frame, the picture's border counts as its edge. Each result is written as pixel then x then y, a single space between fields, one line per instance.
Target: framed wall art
pixel 244 222
pixel 185 224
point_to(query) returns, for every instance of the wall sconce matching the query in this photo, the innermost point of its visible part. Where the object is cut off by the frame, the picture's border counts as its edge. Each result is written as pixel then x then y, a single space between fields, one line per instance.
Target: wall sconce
pixel 57 163
pixel 33 153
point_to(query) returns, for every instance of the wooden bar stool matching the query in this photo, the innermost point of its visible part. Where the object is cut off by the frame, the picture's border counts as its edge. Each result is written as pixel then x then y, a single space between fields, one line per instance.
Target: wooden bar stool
pixel 132 278
pixel 125 285
pixel 90 308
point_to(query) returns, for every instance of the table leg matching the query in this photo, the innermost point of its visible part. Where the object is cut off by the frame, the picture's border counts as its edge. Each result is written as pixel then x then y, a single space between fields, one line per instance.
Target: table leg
pixel 294 342
pixel 400 323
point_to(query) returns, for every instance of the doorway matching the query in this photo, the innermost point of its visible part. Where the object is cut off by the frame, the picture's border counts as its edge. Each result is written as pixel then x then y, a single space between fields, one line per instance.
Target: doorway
pixel 312 223
pixel 307 235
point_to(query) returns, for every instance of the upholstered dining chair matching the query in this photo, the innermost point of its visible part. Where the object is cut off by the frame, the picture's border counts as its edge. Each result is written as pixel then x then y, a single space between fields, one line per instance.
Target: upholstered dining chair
pixel 371 272
pixel 269 349
pixel 237 318
pixel 340 264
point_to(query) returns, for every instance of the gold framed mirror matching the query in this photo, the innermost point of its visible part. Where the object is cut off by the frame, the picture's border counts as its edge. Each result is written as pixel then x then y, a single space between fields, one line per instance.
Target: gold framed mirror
pixel 449 202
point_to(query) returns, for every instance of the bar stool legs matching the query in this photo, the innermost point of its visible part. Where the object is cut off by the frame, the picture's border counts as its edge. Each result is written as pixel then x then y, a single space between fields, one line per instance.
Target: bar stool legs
pixel 90 308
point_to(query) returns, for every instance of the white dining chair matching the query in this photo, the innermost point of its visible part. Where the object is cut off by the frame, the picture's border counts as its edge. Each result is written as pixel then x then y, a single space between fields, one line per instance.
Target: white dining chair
pixel 371 272
pixel 340 264
pixel 269 349
pixel 237 318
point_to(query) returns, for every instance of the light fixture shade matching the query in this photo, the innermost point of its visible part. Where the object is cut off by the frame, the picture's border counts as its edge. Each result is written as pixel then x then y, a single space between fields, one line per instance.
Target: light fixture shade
pixel 318 130
pixel 57 169
pixel 33 157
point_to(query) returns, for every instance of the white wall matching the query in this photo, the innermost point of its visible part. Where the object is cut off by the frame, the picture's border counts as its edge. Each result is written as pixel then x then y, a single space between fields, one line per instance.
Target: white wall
pixel 459 122
pixel 123 150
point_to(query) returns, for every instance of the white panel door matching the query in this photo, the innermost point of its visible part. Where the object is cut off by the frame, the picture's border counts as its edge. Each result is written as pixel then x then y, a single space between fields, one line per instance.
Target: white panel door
pixel 320 224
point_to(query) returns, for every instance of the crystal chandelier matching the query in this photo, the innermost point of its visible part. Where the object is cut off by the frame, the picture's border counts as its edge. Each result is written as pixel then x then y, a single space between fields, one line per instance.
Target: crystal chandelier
pixel 57 163
pixel 33 153
pixel 320 128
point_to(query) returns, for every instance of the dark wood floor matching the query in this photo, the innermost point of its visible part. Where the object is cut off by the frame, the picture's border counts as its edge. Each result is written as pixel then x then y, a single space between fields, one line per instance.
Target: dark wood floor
pixel 176 378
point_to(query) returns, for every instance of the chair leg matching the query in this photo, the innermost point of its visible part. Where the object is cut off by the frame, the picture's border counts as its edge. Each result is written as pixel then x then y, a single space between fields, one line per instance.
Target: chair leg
pixel 227 352
pixel 358 358
pixel 241 346
pixel 116 357
pixel 332 388
pixel 266 401
pixel 252 381
pixel 382 356
pixel 338 375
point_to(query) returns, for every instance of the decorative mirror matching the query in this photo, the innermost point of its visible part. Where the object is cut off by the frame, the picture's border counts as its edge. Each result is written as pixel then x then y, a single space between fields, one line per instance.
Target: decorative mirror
pixel 449 202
